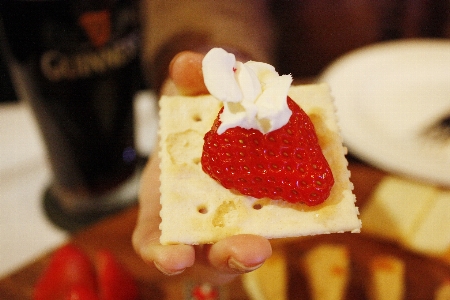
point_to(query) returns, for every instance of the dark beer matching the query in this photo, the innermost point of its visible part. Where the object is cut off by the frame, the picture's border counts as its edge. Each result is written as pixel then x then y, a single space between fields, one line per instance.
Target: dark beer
pixel 77 63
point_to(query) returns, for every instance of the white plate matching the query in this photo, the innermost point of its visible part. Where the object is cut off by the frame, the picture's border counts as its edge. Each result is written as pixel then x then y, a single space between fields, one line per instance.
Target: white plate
pixel 386 96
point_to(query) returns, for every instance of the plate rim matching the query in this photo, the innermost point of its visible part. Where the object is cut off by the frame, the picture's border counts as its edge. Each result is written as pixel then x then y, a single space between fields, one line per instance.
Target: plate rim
pixel 341 69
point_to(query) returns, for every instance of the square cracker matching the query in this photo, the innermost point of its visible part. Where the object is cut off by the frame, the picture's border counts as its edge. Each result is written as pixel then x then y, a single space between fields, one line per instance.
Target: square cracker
pixel 198 210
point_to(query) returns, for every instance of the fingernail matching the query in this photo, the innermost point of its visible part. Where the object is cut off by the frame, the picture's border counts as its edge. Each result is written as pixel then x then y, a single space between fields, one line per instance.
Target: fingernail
pixel 238 267
pixel 167 272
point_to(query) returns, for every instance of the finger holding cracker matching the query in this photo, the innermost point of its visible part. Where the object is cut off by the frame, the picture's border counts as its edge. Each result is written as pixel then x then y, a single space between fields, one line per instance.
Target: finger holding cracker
pixel 277 171
pixel 217 263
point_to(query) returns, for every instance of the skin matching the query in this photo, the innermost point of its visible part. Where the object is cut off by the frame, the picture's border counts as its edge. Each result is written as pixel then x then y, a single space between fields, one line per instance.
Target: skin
pixel 218 263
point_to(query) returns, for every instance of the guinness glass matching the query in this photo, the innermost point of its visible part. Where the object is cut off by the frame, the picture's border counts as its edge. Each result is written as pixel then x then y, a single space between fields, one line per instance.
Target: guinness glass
pixel 77 63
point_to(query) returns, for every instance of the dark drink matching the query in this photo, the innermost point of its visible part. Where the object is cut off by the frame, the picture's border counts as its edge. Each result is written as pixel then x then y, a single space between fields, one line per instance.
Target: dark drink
pixel 77 63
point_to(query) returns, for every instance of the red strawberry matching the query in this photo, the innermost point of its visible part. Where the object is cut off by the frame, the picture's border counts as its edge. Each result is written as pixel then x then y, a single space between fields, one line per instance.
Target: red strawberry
pixel 68 267
pixel 285 164
pixel 114 281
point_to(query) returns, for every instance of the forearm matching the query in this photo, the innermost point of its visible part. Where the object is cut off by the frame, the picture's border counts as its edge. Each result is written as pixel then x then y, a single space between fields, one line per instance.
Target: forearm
pixel 171 26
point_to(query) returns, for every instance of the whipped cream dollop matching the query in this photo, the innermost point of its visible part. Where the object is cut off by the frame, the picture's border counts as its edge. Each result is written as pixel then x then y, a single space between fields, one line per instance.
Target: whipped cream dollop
pixel 253 94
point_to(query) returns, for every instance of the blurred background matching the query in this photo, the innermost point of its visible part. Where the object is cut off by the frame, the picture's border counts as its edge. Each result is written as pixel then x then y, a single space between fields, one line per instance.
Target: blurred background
pixel 312 36
pixel 7 91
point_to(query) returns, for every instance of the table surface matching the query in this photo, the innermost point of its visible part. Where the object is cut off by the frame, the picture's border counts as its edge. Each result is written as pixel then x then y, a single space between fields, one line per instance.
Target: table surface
pixel 115 233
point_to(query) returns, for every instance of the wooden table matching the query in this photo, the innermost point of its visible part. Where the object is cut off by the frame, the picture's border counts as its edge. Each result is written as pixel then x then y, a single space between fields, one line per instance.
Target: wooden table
pixel 115 233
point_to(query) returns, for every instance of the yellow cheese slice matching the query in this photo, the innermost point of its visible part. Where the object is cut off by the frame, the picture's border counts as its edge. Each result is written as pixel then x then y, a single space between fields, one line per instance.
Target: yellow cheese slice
pixel 387 278
pixel 268 282
pixel 432 234
pixel 327 267
pixel 396 207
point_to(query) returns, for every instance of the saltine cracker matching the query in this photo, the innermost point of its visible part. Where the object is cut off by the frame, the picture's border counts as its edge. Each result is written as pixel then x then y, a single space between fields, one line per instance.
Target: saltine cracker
pixel 198 210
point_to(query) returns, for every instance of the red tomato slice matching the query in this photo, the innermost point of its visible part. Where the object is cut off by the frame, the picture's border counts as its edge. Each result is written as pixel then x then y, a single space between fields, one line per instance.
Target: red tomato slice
pixel 80 292
pixel 68 267
pixel 114 281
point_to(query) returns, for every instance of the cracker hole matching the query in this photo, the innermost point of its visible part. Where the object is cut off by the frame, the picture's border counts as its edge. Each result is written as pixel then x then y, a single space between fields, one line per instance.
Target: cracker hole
pixel 257 206
pixel 202 209
pixel 197 118
pixel 196 160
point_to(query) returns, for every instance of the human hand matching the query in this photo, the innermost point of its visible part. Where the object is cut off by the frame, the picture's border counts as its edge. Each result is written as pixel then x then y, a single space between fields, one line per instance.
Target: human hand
pixel 218 263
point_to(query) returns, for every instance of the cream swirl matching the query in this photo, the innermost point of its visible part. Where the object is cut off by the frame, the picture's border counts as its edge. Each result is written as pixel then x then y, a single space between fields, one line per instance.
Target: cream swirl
pixel 253 94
